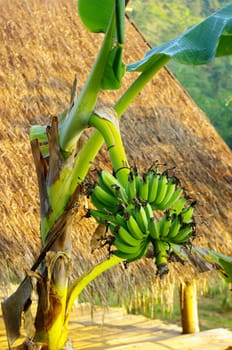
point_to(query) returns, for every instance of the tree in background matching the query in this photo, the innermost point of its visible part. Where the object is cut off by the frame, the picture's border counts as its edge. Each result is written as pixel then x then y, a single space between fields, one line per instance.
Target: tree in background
pixel 161 21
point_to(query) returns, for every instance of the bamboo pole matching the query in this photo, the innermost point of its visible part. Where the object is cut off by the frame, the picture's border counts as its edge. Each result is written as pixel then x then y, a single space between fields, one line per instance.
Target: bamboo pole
pixel 188 305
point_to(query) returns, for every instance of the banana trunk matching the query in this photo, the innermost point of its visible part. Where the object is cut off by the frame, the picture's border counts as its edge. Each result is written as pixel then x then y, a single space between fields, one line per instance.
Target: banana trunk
pixel 56 211
pixel 188 305
pixel 52 290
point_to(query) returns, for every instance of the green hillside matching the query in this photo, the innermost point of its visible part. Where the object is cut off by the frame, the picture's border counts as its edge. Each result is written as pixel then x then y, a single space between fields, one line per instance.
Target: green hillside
pixel 160 21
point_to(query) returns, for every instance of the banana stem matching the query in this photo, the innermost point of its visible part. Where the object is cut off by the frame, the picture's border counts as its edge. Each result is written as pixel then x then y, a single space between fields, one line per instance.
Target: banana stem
pixel 77 120
pixel 161 257
pixel 120 22
pixel 135 88
pixel 92 146
pixel 112 137
pixel 78 285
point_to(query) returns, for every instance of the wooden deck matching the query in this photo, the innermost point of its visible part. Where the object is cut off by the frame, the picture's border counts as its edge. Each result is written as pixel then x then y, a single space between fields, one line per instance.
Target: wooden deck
pixel 115 330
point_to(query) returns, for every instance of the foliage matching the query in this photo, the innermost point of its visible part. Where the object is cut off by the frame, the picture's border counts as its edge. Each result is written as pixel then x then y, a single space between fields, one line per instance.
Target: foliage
pixel 190 46
pixel 170 19
pixel 212 94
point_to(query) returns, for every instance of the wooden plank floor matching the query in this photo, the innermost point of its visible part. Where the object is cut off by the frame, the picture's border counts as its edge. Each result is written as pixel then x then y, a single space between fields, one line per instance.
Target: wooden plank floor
pixel 115 330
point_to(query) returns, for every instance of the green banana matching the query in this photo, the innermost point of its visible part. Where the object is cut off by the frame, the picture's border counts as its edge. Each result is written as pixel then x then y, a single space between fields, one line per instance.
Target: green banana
pixel 174 228
pixel 105 218
pixel 113 186
pixel 144 188
pixel 102 184
pixel 127 238
pixel 126 256
pixel 141 218
pixel 120 193
pixel 169 193
pixel 120 220
pixel 153 187
pixel 143 250
pixel 126 248
pixel 129 257
pixel 106 198
pixel 187 214
pixel 101 206
pixel 131 189
pixel 136 179
pixel 134 228
pixel 178 204
pixel 149 211
pixel 100 217
pixel 161 191
pixel 183 235
pixel 107 181
pixel 164 225
pixel 154 228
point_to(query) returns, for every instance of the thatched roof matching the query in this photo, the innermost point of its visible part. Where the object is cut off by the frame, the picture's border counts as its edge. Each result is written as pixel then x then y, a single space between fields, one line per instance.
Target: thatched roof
pixel 42 46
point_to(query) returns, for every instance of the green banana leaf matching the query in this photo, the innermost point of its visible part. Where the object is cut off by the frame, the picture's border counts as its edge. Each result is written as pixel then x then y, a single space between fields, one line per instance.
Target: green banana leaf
pixel 95 14
pixel 198 45
pixel 204 259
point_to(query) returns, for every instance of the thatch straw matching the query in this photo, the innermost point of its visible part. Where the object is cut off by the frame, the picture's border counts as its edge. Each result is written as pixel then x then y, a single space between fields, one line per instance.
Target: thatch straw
pixel 43 46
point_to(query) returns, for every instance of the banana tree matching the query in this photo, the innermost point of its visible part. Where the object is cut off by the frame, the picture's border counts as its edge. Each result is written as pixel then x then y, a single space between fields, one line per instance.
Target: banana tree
pixel 143 214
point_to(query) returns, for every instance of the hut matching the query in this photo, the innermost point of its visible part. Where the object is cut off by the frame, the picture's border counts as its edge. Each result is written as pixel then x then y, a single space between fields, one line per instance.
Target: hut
pixel 43 45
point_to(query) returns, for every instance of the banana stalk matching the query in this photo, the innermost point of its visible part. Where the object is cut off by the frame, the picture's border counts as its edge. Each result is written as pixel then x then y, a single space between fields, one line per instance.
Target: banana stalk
pixel 112 137
pixel 78 285
pixel 160 251
pixel 52 282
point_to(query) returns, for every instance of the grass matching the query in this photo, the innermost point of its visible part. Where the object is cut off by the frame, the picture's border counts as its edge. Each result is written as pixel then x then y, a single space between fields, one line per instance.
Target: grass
pixel 213 313
pixel 214 308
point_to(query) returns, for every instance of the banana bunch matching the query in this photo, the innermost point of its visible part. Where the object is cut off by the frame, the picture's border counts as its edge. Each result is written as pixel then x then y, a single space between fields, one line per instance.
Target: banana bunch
pixel 154 188
pixel 149 210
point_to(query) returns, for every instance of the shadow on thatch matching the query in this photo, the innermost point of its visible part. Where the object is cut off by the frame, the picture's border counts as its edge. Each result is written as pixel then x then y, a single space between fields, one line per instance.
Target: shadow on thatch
pixel 42 47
